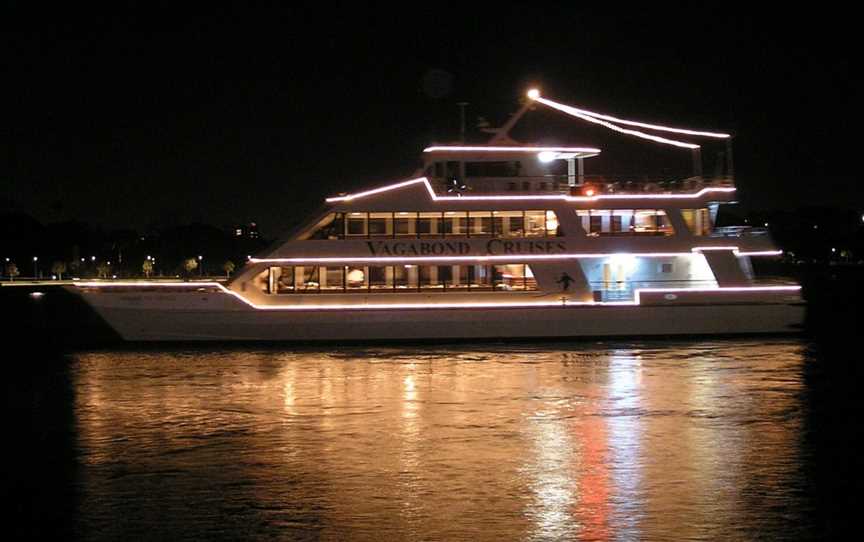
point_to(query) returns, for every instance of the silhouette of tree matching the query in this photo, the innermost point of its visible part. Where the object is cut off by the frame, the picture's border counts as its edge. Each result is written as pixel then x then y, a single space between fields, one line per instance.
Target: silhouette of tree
pixel 58 268
pixel 12 271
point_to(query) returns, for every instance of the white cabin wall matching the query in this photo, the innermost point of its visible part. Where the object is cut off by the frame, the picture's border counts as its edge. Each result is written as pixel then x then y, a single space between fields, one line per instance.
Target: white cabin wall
pixel 636 269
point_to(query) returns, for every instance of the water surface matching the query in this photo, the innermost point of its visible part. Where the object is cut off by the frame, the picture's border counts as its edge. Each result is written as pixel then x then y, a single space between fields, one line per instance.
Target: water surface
pixel 653 441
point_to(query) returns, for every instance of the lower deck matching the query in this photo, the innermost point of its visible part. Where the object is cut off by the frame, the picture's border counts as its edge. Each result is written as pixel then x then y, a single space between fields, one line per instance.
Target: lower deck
pixel 210 311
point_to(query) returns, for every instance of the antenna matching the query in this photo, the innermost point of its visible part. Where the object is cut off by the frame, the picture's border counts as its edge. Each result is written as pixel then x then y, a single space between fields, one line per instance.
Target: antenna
pixel 462 106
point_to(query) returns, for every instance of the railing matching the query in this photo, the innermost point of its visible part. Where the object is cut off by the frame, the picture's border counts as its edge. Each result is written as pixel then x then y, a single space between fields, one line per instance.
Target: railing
pixel 599 184
pixel 739 231
pixel 625 290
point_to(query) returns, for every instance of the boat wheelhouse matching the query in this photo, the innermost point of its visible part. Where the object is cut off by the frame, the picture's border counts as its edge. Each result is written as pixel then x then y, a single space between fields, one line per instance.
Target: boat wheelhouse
pixel 500 240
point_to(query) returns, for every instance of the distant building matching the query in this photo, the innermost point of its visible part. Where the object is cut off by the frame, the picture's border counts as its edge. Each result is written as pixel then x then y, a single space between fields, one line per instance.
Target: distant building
pixel 249 231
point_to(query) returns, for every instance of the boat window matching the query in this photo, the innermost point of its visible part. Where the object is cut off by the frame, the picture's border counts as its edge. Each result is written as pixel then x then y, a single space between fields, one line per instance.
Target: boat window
pixel 535 223
pixel 405 224
pixel 652 221
pixel 357 224
pixel 455 223
pixel 431 276
pixel 459 280
pixel 429 224
pixel 356 278
pixel 398 278
pixel 405 277
pixel 510 277
pixel 698 221
pixel 508 223
pixel 625 222
pixel 595 222
pixel 306 279
pixel 480 223
pixel 479 277
pixel 380 278
pixel 380 224
pixel 281 280
pixel 332 279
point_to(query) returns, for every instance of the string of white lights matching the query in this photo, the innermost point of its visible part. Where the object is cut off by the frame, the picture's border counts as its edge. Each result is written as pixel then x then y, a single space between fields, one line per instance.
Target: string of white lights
pixel 718 135
pixel 578 114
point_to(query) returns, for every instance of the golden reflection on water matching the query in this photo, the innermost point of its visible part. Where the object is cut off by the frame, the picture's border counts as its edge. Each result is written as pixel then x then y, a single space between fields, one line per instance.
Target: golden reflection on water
pixel 662 441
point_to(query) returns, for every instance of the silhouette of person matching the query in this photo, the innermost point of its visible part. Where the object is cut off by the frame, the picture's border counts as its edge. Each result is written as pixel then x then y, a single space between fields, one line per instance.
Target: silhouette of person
pixel 565 281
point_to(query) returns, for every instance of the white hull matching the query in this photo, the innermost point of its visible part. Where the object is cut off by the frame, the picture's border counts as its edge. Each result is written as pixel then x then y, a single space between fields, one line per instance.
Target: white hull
pixel 226 319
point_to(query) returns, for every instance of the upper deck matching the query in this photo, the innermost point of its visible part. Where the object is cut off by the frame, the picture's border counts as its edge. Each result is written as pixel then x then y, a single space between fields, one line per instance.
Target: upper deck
pixel 536 170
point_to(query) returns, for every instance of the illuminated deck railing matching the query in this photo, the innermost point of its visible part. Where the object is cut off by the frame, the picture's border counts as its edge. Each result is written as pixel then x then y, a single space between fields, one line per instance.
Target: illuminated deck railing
pixel 739 231
pixel 598 184
pixel 626 290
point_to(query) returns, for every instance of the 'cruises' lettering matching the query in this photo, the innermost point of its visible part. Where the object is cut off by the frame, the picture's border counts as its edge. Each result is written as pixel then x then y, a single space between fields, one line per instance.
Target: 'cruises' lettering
pixel 499 246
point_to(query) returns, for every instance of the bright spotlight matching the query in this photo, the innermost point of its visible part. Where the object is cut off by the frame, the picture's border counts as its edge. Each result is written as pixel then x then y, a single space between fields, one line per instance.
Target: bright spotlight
pixel 533 93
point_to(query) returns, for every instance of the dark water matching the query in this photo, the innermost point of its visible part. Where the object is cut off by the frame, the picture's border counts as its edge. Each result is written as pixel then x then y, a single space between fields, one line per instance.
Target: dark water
pixel 734 439
pixel 686 440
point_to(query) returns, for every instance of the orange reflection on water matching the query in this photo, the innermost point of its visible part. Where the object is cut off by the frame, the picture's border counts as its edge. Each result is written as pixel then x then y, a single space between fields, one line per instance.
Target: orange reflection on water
pixel 583 442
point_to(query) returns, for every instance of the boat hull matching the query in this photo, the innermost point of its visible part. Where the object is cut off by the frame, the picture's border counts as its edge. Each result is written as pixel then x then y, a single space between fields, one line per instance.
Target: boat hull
pixel 222 318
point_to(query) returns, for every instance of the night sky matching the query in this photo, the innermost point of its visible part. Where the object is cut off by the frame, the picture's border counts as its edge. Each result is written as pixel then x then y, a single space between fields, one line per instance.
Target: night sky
pixel 153 116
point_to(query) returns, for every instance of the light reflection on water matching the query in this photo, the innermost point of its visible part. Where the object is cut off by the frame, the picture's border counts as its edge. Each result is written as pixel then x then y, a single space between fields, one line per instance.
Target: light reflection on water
pixel 597 442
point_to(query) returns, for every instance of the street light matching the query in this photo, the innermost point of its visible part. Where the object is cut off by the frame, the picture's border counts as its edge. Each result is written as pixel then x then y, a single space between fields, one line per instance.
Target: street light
pixel 35 267
pixel 200 266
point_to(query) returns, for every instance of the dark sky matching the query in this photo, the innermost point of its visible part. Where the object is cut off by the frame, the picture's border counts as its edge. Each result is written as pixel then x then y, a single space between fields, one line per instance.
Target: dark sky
pixel 153 115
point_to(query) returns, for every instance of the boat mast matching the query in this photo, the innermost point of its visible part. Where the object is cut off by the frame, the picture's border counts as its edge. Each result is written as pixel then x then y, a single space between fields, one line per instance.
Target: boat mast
pixel 503 133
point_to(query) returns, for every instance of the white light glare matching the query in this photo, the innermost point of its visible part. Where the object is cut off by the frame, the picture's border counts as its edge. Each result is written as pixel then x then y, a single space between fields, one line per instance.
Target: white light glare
pixel 546 156
pixel 533 93
pixel 627 262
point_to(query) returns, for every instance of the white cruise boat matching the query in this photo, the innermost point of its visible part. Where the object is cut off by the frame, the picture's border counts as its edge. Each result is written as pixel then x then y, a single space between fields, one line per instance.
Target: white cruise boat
pixel 487 242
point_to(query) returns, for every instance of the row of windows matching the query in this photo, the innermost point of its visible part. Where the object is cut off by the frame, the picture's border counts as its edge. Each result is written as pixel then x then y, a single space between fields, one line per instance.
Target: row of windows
pixel 642 222
pixel 397 278
pixel 626 222
pixel 507 224
pixel 510 224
